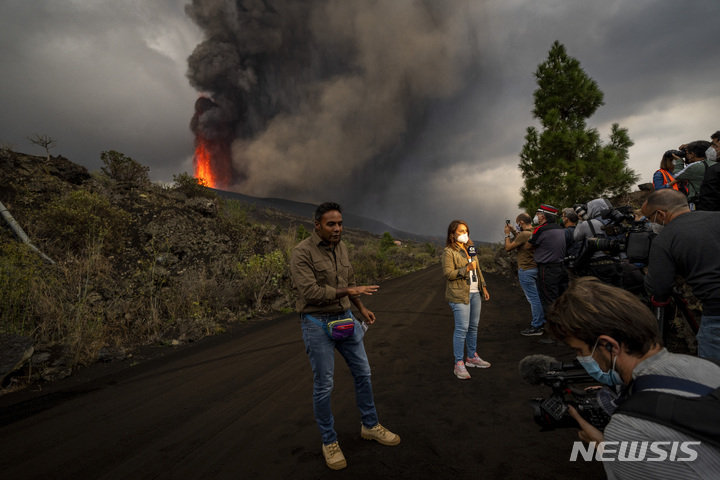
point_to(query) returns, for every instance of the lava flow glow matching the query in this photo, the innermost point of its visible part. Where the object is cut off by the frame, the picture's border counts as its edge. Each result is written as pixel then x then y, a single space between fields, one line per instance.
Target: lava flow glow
pixel 203 164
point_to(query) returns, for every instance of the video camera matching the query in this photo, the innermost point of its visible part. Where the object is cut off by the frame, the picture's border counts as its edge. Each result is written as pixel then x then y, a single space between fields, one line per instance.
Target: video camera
pixel 623 234
pixel 553 412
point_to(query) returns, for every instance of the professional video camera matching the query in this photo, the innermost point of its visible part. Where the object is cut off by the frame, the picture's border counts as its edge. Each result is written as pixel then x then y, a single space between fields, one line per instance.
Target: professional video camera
pixel 623 234
pixel 553 412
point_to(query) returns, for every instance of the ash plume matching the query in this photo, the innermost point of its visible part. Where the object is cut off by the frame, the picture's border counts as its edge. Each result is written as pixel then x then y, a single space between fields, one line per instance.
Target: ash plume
pixel 317 98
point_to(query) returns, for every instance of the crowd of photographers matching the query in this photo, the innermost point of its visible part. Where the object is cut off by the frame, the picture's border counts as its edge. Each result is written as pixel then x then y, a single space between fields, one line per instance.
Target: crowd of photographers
pixel 598 277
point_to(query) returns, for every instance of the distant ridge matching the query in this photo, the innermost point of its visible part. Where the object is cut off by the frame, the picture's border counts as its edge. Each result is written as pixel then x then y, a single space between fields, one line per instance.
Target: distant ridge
pixel 306 210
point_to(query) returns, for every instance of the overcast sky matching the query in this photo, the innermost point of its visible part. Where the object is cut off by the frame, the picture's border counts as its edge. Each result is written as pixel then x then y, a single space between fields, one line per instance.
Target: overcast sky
pixel 111 75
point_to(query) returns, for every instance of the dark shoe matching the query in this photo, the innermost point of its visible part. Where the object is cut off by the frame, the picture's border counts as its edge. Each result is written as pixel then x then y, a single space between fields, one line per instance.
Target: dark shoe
pixel 532 331
pixel 334 456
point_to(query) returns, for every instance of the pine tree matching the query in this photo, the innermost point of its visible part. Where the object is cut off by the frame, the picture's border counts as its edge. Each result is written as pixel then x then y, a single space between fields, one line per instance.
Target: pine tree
pixel 566 163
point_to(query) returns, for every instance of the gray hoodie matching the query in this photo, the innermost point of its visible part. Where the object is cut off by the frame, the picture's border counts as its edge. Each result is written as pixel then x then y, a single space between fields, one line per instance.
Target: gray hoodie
pixel 595 208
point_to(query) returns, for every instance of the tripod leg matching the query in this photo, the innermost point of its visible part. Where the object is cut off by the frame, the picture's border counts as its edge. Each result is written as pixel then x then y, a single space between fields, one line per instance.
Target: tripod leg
pixel 687 314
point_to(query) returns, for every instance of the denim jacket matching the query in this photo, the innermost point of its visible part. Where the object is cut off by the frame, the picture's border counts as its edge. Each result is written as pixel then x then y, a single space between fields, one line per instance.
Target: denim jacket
pixel 454 265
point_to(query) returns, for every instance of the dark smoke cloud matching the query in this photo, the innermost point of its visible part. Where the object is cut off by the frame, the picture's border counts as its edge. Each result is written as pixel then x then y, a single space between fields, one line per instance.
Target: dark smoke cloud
pixel 321 97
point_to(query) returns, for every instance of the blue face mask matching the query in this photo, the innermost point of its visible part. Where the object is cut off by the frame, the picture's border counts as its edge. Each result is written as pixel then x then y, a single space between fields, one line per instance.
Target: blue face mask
pixel 611 378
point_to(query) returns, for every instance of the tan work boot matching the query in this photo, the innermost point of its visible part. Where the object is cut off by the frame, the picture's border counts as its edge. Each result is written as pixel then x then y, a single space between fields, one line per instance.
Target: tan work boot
pixel 334 456
pixel 379 434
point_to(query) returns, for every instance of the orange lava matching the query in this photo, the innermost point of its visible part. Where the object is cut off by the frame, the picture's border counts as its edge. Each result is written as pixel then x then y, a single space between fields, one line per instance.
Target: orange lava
pixel 203 164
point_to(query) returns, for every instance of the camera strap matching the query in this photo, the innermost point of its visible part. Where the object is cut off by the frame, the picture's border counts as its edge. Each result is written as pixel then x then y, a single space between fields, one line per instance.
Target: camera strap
pixel 697 417
pixel 645 382
pixel 592 229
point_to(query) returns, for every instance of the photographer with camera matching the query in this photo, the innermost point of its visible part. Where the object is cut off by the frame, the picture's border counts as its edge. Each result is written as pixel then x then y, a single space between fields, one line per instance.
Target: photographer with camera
pixel 688 246
pixel 600 265
pixel 694 154
pixel 616 339
pixel 527 271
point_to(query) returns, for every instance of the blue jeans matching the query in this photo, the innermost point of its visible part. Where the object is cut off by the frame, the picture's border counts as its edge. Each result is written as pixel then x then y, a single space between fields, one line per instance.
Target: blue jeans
pixel 708 337
pixel 321 352
pixel 467 318
pixel 528 282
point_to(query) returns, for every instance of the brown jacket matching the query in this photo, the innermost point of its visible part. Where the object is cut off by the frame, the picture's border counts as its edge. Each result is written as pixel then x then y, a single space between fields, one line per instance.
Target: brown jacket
pixel 454 265
pixel 317 271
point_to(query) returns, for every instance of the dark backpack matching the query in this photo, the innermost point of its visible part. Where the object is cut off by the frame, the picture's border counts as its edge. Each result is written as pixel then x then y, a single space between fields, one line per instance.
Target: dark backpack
pixel 697 417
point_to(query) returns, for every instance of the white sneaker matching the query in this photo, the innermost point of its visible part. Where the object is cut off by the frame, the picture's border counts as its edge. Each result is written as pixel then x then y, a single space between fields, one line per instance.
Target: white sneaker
pixel 461 372
pixel 476 362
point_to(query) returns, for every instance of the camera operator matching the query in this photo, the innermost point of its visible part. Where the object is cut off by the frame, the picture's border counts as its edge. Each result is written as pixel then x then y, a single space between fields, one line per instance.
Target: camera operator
pixel 688 245
pixel 693 173
pixel 570 220
pixel 601 265
pixel 616 339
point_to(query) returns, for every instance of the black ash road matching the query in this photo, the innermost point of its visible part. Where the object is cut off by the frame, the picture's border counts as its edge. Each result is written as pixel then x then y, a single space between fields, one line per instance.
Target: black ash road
pixel 238 406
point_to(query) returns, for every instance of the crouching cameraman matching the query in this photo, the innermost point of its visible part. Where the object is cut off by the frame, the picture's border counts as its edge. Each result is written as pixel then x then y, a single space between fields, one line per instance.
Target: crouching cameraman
pixel 616 339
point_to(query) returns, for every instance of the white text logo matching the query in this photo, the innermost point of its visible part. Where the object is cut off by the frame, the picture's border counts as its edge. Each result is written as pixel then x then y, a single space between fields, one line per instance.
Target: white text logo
pixel 635 451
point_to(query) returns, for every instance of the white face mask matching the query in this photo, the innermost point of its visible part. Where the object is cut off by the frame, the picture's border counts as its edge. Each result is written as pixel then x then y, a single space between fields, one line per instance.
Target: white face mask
pixel 463 238
pixel 711 154
pixel 536 220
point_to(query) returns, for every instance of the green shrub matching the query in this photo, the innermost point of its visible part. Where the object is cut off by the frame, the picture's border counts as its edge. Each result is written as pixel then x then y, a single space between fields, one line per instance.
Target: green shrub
pixel 486 259
pixel 192 187
pixel 423 259
pixel 372 264
pixel 20 273
pixel 84 220
pixel 262 273
pixel 53 305
pixel 236 212
pixel 302 233
pixel 124 170
pixel 386 241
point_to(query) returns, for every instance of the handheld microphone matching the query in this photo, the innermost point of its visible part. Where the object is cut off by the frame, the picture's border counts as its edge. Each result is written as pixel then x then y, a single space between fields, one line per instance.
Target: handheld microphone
pixel 473 254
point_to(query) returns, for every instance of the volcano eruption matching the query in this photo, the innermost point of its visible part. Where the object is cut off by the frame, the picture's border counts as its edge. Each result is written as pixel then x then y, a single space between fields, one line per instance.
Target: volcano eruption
pixel 302 97
pixel 212 162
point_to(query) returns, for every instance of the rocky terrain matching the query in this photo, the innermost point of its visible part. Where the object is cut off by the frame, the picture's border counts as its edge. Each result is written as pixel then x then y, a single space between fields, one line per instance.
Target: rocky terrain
pixel 135 263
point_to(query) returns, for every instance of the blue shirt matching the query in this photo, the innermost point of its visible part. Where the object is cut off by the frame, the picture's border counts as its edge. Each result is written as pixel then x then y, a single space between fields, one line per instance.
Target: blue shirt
pixel 549 242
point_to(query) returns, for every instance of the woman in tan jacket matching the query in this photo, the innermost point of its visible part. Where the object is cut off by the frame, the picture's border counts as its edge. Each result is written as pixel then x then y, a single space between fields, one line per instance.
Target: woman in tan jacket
pixel 465 283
